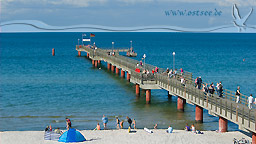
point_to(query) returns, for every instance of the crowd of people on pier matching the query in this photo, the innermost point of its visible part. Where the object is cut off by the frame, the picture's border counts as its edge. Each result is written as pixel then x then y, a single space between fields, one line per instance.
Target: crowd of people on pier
pixel 208 89
pixel 219 91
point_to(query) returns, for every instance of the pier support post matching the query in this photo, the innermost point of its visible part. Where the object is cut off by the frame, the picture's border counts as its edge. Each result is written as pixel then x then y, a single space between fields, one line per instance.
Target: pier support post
pixel 88 55
pixel 109 66
pixel 99 62
pixel 113 68
pixel 253 138
pixel 223 124
pixel 148 96
pixel 128 76
pixel 137 89
pixel 199 114
pixel 93 62
pixel 79 53
pixel 117 70
pixel 180 104
pixel 169 95
pixel 122 73
pixel 96 63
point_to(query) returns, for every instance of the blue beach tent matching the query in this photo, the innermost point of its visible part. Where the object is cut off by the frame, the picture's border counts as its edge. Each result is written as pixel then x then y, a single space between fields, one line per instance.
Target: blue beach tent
pixel 71 136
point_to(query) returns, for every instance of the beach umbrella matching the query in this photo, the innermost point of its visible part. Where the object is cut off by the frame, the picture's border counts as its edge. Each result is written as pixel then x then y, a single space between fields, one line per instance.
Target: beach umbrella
pixel 71 136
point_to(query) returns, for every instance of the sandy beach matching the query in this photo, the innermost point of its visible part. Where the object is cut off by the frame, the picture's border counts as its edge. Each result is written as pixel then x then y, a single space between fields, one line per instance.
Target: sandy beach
pixel 122 136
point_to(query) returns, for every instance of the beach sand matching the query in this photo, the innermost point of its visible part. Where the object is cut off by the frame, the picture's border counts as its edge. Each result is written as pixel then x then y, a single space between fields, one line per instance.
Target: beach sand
pixel 122 136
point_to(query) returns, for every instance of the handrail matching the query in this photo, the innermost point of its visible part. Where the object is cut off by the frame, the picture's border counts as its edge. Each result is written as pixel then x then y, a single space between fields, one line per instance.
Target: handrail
pixel 227 101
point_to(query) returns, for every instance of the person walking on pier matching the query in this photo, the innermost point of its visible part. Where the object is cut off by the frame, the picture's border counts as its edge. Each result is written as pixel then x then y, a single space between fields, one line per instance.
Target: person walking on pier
pixel 250 100
pixel 105 121
pixel 199 82
pixel 196 82
pixel 181 71
pixel 182 80
pixel 220 89
pixel 238 95
pixel 211 88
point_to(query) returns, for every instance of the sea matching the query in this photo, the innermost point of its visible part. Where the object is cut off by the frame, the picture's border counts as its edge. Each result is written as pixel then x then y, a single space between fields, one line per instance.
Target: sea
pixel 38 89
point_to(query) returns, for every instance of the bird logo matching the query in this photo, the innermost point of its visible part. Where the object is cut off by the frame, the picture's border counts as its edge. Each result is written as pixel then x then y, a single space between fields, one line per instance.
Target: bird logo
pixel 238 21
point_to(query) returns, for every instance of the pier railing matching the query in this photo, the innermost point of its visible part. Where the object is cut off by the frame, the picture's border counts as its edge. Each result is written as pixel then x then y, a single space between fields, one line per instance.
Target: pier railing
pixel 225 106
pixel 131 65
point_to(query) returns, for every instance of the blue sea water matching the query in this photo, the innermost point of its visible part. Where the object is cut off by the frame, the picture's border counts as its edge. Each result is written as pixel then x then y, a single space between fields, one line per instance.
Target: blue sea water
pixel 38 89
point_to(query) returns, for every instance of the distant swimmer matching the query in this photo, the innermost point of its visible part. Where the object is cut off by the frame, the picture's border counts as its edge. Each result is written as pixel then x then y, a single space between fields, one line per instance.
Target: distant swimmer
pixel 244 59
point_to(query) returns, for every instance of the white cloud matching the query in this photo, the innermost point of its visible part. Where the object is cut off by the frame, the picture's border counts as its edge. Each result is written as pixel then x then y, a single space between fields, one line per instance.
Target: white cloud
pixel 86 3
pixel 218 2
pixel 76 3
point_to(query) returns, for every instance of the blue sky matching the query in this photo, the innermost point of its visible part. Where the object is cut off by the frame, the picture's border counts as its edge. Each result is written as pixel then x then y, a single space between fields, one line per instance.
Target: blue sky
pixel 124 13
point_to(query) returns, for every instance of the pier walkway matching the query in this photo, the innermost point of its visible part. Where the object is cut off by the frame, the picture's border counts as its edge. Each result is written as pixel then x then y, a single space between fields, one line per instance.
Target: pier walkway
pixel 223 107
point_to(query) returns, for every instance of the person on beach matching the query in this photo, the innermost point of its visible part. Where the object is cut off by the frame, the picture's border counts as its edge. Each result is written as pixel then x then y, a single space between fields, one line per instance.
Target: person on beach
pixel 105 121
pixel 155 127
pixel 47 128
pixel 250 100
pixel 117 123
pixel 97 127
pixel 58 131
pixel 134 123
pixel 122 124
pixel 129 121
pixel 50 128
pixel 187 128
pixel 193 129
pixel 238 95
pixel 169 130
pixel 68 123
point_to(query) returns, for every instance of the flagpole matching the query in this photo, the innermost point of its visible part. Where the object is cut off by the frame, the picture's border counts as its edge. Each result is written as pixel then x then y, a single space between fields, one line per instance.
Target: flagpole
pixel 90 39
pixel 82 40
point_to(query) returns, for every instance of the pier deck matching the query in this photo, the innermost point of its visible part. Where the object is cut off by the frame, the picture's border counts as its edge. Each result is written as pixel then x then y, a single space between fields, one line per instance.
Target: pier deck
pixel 223 107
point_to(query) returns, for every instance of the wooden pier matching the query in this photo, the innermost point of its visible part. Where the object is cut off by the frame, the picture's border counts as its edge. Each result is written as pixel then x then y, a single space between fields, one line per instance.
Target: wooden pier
pixel 223 107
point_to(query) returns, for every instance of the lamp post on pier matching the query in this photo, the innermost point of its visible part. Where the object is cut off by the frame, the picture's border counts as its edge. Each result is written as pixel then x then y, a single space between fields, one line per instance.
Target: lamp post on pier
pixel 173 54
pixel 78 41
pixel 113 48
pixel 144 56
pixel 131 44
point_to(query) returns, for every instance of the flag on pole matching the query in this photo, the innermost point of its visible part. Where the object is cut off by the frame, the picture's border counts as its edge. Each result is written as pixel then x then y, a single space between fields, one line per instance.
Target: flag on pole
pixel 92 35
pixel 86 39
